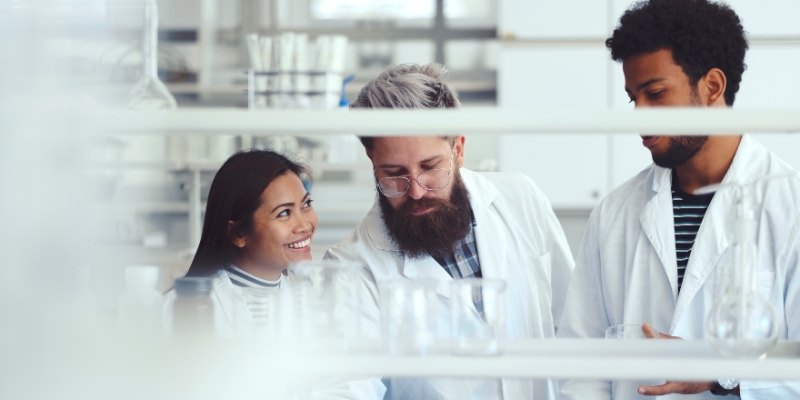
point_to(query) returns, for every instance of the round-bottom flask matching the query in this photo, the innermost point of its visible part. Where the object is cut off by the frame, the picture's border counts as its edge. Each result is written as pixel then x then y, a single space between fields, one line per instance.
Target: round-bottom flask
pixel 743 325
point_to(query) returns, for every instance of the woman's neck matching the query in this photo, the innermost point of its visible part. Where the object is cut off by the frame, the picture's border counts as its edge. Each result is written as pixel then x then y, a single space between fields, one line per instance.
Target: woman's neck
pixel 258 270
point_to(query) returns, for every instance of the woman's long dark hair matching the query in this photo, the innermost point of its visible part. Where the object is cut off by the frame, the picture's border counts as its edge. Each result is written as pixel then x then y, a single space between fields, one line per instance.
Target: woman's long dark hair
pixel 235 195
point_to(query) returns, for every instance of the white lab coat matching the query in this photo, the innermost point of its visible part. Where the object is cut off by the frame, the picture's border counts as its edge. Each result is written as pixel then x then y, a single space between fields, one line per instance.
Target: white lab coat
pixel 626 270
pixel 518 238
pixel 232 319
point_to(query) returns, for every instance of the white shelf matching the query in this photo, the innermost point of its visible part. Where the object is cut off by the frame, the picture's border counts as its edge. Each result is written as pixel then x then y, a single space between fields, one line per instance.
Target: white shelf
pixel 529 358
pixel 570 358
pixel 445 122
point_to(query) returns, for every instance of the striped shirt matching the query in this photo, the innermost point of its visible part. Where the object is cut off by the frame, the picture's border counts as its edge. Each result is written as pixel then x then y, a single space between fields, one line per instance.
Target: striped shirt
pixel 259 294
pixel 688 211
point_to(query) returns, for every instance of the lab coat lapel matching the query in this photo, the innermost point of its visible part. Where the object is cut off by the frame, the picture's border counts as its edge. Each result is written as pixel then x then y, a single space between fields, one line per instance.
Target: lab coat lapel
pixel 490 231
pixel 428 269
pixel 713 237
pixel 715 233
pixel 658 225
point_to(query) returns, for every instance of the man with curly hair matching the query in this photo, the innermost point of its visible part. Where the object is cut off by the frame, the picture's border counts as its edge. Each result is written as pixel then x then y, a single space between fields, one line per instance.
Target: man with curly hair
pixel 652 249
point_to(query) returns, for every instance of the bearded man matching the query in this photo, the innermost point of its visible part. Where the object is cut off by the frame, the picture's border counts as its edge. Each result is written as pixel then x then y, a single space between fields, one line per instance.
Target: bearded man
pixel 434 220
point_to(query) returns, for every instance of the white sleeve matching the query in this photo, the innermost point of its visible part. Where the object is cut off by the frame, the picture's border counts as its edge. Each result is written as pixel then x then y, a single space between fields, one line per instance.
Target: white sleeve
pixel 584 311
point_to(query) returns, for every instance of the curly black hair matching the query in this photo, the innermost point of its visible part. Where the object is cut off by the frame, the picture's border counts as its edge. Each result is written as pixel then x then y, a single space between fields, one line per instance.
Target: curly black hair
pixel 701 35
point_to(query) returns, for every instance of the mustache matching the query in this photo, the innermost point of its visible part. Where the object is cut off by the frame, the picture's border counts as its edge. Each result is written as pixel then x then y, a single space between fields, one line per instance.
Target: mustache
pixel 425 202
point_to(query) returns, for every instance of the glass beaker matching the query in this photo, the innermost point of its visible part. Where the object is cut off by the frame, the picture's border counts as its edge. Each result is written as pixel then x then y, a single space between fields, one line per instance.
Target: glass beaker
pixel 408 316
pixel 193 310
pixel 325 295
pixel 149 92
pixel 625 331
pixel 478 315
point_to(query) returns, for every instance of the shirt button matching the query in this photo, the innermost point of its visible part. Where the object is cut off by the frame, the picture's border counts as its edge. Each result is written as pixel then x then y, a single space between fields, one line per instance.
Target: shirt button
pixel 460 258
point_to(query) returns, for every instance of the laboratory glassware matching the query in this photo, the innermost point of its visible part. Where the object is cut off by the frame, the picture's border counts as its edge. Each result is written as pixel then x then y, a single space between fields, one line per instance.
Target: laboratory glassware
pixel 325 295
pixel 742 323
pixel 625 331
pixel 139 313
pixel 193 310
pixel 478 315
pixel 149 92
pixel 632 332
pixel 408 316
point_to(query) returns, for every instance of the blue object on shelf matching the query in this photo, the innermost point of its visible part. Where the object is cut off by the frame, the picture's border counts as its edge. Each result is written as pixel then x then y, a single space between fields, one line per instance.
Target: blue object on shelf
pixel 343 99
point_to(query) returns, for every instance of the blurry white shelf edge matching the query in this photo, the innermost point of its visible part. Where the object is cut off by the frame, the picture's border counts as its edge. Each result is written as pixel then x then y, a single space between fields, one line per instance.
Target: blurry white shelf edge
pixel 693 360
pixel 672 121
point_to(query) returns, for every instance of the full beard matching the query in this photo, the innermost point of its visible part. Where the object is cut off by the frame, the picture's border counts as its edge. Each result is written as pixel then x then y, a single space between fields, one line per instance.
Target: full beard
pixel 434 233
pixel 682 148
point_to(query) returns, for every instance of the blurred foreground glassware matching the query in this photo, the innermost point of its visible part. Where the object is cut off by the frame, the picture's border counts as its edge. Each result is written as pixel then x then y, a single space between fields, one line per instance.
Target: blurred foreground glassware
pixel 139 313
pixel 742 323
pixel 193 310
pixel 628 332
pixel 149 92
pixel 625 331
pixel 408 316
pixel 478 315
pixel 325 295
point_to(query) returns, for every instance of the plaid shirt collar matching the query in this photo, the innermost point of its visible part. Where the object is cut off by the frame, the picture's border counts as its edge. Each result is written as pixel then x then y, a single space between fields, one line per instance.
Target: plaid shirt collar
pixel 463 261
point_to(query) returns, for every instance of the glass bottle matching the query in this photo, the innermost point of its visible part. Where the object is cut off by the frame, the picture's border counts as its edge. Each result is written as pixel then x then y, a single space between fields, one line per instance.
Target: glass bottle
pixel 742 323
pixel 149 92
pixel 193 310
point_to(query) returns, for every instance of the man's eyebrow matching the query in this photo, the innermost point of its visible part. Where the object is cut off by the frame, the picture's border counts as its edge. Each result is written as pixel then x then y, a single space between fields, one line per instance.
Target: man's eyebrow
pixel 425 161
pixel 648 83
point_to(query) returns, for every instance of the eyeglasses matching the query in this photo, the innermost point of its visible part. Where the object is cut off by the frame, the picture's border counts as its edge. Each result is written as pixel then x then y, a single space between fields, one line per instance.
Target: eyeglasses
pixel 435 179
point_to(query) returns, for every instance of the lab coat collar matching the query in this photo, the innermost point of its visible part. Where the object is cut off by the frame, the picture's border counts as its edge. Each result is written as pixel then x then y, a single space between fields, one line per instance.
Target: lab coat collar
pixel 481 195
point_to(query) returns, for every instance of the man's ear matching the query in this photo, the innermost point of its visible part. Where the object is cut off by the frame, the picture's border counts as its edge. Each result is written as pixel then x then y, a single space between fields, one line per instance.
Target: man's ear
pixel 714 84
pixel 458 146
pixel 238 241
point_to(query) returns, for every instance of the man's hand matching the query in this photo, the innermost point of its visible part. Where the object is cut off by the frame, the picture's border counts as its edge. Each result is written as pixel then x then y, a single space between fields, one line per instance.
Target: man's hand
pixel 673 387
pixel 676 387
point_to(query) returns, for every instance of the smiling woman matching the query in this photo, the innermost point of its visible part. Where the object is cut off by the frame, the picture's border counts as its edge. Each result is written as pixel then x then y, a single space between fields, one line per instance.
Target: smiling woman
pixel 258 219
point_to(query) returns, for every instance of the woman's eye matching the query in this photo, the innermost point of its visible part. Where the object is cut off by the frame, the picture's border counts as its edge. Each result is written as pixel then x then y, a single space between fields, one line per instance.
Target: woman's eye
pixel 284 213
pixel 655 95
pixel 308 203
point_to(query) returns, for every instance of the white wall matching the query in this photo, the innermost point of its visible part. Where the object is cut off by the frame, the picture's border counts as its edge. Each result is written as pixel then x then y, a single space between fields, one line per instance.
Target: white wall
pixel 547 71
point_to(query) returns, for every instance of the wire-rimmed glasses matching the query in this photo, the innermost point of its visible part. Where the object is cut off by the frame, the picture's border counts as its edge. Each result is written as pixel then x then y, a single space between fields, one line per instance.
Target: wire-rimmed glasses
pixel 435 179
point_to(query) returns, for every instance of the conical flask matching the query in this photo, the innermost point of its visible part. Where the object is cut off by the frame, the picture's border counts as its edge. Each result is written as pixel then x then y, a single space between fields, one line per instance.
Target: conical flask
pixel 742 323
pixel 149 92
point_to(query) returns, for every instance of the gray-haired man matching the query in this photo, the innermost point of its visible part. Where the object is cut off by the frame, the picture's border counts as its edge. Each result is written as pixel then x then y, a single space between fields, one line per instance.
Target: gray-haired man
pixel 436 221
